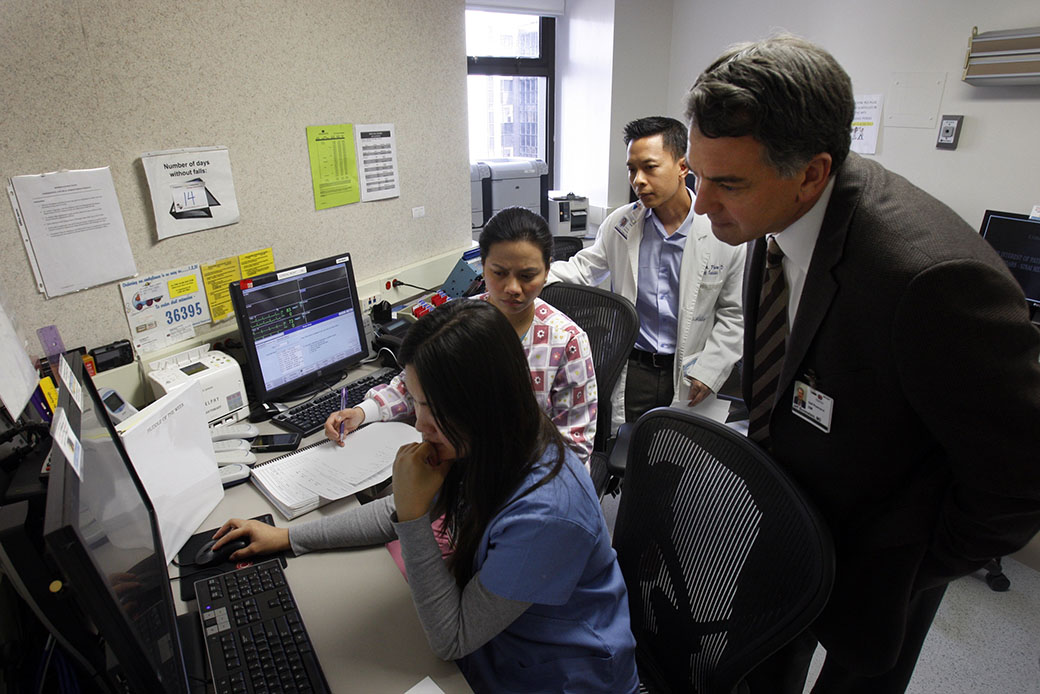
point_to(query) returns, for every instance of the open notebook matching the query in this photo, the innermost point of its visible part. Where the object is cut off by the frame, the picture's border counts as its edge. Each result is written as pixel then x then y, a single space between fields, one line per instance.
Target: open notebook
pixel 305 479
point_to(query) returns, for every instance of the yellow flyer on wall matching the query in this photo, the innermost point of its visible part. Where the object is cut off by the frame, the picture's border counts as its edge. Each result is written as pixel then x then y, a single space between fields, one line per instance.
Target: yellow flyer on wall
pixel 217 276
pixel 334 173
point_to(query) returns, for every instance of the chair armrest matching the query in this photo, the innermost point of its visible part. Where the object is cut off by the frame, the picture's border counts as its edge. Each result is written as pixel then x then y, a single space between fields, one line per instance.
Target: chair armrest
pixel 619 453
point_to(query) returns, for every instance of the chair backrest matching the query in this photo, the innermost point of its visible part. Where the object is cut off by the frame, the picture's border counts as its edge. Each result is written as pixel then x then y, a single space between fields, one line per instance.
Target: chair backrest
pixel 566 246
pixel 611 322
pixel 724 559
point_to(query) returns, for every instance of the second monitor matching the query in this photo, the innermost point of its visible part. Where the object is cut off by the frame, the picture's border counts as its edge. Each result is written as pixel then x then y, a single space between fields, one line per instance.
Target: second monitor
pixel 299 325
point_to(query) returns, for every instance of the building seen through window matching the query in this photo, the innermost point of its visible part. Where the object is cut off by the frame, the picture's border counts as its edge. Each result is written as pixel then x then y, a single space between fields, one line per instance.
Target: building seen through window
pixel 511 64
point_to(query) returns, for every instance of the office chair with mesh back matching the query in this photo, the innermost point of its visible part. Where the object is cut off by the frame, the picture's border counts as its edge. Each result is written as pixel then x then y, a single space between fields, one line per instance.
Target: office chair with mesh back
pixel 612 325
pixel 724 559
pixel 566 246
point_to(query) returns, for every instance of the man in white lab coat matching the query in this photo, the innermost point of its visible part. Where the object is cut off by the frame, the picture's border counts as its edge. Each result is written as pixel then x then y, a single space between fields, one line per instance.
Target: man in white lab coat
pixel 686 284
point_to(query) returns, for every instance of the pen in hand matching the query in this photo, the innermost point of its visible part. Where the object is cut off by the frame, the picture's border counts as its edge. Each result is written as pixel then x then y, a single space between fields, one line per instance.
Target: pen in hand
pixel 342 406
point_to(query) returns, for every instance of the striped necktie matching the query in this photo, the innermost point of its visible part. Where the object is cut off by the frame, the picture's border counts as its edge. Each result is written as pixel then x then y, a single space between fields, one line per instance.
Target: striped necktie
pixel 770 336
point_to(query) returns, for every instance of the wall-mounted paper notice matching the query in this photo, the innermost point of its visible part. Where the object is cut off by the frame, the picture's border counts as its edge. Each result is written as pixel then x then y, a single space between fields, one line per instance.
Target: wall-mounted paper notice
pixel 72 228
pixel 165 308
pixel 377 161
pixel 334 174
pixel 866 123
pixel 191 188
pixel 218 275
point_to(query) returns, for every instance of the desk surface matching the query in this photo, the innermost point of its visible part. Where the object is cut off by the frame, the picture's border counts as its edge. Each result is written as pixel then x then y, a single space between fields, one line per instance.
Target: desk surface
pixel 355 604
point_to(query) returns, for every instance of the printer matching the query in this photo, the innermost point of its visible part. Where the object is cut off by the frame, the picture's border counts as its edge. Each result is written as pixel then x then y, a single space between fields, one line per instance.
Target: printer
pixel 568 214
pixel 223 390
pixel 516 181
pixel 477 173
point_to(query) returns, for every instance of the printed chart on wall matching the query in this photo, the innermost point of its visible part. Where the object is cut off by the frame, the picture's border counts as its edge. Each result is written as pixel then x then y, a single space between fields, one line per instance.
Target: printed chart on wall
pixel 191 189
pixel 334 173
pixel 377 161
pixel 72 229
pixel 165 307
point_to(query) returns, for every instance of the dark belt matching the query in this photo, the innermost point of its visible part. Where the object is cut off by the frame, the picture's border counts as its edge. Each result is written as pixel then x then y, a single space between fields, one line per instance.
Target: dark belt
pixel 658 361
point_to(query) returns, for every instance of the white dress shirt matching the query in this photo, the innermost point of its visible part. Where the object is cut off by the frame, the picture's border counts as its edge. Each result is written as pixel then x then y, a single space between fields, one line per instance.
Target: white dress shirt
pixel 797 242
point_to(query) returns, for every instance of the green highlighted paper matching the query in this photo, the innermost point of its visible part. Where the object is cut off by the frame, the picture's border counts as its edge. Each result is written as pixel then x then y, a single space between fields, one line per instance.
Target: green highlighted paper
pixel 333 165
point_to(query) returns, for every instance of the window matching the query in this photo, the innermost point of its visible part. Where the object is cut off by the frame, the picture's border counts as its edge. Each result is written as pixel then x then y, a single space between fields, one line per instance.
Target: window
pixel 512 60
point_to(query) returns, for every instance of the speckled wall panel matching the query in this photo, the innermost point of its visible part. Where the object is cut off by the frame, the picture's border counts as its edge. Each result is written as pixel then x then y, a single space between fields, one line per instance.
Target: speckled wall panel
pixel 88 83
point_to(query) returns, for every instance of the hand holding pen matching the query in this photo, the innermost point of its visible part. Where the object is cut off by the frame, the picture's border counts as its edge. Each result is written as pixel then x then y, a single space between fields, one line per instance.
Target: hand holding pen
pixel 343 421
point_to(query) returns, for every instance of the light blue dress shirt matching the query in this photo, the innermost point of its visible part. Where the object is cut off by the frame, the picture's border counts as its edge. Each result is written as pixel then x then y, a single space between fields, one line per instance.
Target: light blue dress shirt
pixel 657 301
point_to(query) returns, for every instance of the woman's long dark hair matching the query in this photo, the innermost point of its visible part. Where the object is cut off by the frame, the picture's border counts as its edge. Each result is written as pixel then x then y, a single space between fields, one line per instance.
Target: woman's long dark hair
pixel 477 383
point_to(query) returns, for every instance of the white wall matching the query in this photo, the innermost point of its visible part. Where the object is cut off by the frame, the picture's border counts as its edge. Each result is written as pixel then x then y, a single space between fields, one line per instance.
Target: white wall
pixel 642 49
pixel 612 61
pixel 584 59
pixel 995 165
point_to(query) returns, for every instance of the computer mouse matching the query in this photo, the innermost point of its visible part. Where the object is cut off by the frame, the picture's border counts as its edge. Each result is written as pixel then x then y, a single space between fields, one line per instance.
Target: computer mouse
pixel 207 557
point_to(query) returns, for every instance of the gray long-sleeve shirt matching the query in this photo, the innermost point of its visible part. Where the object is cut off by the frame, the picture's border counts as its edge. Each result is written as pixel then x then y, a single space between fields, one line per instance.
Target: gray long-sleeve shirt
pixel 456 621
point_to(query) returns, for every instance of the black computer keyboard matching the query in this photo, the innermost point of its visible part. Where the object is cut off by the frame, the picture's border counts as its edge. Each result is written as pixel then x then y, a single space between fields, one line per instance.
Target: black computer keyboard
pixel 310 416
pixel 255 639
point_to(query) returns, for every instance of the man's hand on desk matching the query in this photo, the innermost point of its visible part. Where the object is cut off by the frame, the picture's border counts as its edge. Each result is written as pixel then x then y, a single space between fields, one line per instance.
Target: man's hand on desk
pixel 262 538
pixel 418 476
pixel 349 419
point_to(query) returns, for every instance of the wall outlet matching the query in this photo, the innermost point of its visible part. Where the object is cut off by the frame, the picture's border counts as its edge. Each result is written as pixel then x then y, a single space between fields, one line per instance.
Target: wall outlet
pixel 949 132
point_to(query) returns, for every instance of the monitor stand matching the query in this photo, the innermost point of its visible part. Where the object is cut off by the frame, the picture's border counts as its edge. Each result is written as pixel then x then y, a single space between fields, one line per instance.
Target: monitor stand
pixel 313 387
pixel 190 629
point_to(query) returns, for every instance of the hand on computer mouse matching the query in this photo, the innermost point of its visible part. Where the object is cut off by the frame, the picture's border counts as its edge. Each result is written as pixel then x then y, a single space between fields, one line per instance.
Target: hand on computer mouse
pixel 208 555
pixel 259 538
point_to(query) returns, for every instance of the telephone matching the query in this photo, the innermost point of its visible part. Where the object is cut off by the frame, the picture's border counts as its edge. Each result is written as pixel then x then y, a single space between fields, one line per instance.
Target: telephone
pixel 391 334
pixel 118 408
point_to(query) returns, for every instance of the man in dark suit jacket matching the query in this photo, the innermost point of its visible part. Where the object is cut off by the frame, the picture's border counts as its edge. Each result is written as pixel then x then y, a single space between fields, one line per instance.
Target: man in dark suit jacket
pixel 920 440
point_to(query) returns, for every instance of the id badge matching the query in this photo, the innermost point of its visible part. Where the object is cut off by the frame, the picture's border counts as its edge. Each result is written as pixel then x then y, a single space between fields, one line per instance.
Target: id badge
pixel 813 406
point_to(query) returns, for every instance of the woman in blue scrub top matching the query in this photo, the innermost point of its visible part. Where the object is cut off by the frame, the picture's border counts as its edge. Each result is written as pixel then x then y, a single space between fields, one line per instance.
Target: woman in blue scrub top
pixel 532 599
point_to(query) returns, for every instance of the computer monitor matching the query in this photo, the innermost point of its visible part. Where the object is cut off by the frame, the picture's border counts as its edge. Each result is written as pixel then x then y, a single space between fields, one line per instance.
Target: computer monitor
pixel 101 531
pixel 1016 238
pixel 299 325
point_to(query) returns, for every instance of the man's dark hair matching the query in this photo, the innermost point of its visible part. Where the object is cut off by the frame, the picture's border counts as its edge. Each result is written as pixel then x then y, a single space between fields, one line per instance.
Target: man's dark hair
pixel 787 93
pixel 672 132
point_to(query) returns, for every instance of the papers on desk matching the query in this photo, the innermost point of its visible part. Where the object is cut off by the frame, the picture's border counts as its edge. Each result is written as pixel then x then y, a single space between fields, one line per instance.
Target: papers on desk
pixel 170 445
pixel 427 686
pixel 303 480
